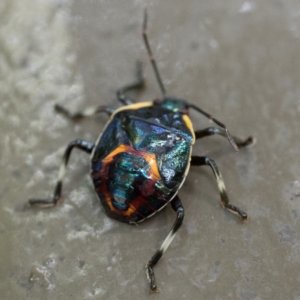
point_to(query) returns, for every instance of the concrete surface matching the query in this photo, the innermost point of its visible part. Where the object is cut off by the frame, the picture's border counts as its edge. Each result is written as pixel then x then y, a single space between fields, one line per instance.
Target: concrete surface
pixel 238 60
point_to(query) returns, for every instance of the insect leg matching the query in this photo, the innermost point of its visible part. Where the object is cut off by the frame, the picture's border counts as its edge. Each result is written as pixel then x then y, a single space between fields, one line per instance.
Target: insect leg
pixel 220 131
pixel 88 112
pixel 203 160
pixel 151 57
pixel 80 144
pixel 177 206
pixel 138 85
pixel 229 137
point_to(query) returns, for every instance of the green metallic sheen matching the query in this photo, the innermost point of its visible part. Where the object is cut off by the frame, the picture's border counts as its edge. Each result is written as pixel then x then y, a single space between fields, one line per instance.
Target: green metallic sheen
pixel 127 180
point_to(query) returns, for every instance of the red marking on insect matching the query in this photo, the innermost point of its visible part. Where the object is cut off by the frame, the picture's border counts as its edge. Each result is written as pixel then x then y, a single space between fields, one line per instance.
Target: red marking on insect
pixel 148 187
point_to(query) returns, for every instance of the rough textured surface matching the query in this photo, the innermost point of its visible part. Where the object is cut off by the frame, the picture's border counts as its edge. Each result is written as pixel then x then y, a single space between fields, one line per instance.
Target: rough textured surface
pixel 237 60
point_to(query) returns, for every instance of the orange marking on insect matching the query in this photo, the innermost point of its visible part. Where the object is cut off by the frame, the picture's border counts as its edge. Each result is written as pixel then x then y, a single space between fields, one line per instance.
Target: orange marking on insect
pixel 189 125
pixel 108 201
pixel 149 157
pixel 153 174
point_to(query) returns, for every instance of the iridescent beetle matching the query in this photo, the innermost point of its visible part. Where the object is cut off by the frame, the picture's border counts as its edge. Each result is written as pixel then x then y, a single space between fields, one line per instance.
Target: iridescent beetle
pixel 142 157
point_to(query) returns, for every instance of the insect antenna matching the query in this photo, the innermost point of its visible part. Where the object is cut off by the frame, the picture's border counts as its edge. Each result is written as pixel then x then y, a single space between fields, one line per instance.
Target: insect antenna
pixel 151 57
pixel 229 137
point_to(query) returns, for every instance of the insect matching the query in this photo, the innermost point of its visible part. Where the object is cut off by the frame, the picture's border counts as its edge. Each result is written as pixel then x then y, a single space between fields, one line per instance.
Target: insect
pixel 142 157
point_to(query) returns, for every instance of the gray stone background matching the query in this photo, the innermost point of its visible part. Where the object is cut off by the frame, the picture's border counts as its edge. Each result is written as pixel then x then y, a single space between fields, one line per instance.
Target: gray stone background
pixel 238 60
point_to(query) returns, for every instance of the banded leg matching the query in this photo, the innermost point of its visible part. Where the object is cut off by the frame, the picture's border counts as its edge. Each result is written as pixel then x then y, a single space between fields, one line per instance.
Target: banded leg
pixel 88 112
pixel 229 137
pixel 177 206
pixel 80 144
pixel 220 131
pixel 138 85
pixel 203 160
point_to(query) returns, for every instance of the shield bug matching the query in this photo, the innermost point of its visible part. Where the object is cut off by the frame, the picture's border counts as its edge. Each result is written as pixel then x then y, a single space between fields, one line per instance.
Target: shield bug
pixel 142 157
